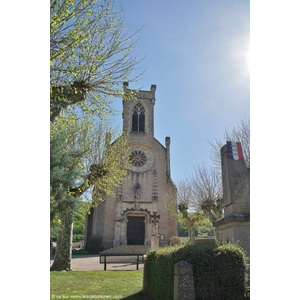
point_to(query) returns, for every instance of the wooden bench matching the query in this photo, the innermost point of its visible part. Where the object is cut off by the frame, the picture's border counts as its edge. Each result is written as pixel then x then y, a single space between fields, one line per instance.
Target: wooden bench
pixel 105 262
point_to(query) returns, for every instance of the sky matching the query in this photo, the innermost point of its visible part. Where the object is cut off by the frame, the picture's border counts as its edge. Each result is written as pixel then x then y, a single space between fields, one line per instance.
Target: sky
pixel 197 54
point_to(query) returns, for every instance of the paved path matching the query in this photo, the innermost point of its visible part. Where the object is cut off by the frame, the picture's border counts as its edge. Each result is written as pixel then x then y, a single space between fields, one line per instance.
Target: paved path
pixel 91 263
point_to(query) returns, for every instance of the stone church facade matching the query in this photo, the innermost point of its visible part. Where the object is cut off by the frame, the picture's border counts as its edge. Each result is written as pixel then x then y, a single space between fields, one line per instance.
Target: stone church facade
pixel 128 218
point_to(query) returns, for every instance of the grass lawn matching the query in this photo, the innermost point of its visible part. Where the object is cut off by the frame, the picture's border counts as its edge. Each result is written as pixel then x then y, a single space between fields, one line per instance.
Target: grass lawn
pixel 125 284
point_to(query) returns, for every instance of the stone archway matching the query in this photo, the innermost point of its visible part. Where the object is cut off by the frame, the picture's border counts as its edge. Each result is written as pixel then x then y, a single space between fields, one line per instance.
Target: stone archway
pixel 137 228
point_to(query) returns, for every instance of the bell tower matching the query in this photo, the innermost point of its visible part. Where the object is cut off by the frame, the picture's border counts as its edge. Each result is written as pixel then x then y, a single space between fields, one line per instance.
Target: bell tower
pixel 138 111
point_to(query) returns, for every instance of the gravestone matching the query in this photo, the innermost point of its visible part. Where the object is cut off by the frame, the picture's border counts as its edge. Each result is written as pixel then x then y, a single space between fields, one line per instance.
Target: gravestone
pixel 184 288
pixel 235 225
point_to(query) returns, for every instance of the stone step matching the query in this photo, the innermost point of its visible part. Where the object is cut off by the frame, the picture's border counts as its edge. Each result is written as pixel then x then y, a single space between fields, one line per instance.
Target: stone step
pixel 128 249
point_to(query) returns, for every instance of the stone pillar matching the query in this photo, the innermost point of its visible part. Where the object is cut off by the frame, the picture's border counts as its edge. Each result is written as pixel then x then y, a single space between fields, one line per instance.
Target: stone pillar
pixel 184 288
pixel 123 231
pixel 117 233
pixel 153 89
pixel 235 225
pixel 154 241
pixel 149 231
pixel 155 236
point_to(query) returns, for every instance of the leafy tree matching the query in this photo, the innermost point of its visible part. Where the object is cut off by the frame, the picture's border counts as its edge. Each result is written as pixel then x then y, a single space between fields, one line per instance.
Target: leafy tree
pixel 184 194
pixel 182 227
pixel 202 227
pixel 79 222
pixel 101 167
pixel 191 219
pixel 200 198
pixel 239 133
pixel 90 55
pixel 206 230
pixel 63 174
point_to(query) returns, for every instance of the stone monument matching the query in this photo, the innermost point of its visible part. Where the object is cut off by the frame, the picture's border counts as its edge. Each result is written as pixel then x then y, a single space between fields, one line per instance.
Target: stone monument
pixel 235 225
pixel 155 236
pixel 184 287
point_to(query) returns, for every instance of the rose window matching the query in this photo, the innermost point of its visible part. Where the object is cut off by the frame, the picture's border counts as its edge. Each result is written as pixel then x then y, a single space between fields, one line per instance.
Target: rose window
pixel 138 158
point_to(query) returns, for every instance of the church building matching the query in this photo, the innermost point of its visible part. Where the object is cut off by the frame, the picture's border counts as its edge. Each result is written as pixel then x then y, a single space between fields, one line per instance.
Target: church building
pixel 139 208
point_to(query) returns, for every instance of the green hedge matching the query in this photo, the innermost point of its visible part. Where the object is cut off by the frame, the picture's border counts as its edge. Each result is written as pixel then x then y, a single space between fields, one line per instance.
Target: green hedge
pixel 175 240
pixel 219 271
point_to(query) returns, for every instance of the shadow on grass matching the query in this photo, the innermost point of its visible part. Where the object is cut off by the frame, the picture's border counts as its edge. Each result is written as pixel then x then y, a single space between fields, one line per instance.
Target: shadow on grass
pixel 137 296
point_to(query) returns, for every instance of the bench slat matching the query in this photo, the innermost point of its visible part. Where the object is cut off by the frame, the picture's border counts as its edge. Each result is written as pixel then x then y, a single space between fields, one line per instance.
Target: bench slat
pixel 119 255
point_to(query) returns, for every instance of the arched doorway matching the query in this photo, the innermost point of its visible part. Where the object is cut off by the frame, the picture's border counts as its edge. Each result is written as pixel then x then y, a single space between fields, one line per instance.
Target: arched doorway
pixel 135 230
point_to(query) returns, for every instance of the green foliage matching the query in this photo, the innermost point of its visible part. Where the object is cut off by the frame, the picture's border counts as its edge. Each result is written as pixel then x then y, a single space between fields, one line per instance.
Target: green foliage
pixel 77 237
pixel 63 174
pixel 94 244
pixel 90 56
pixel 79 221
pixel 205 231
pixel 54 229
pixel 115 162
pixel 219 271
pixel 175 240
pixel 182 227
pixel 101 164
pixel 203 228
pixel 229 271
pixel 159 272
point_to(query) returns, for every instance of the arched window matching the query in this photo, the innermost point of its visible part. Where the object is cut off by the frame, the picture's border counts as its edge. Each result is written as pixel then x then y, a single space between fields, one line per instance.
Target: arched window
pixel 138 118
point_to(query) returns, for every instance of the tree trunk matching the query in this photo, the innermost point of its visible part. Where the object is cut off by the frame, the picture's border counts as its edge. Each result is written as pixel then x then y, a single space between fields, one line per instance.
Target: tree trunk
pixel 191 230
pixel 217 235
pixel 63 254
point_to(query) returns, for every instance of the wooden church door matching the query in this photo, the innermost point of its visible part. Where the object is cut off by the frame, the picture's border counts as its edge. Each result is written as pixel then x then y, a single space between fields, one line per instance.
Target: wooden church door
pixel 136 231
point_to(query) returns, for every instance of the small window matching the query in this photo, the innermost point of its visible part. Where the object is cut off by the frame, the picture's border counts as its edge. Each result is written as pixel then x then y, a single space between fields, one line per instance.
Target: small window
pixel 138 118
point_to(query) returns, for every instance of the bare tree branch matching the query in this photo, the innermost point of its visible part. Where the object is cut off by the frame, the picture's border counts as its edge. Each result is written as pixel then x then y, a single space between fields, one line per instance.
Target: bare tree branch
pixel 239 133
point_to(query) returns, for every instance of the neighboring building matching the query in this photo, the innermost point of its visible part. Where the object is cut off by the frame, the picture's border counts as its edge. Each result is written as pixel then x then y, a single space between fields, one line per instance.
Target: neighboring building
pixel 127 218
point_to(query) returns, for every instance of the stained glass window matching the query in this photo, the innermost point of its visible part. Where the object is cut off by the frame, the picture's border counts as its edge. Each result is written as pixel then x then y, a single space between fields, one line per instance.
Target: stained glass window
pixel 138 158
